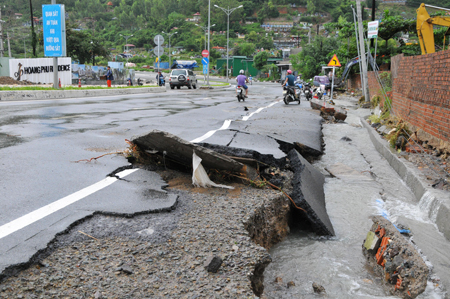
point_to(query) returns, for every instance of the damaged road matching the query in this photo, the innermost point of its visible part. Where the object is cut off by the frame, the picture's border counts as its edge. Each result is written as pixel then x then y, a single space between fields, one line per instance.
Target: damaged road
pixel 71 193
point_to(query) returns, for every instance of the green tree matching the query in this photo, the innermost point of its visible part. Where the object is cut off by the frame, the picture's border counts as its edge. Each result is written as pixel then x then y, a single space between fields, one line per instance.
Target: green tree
pixel 309 62
pixel 260 60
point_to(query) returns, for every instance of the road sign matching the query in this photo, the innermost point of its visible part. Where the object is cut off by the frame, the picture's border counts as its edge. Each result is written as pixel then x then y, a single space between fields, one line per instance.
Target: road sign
pixel 54 24
pixel 205 60
pixel 372 29
pixel 159 39
pixel 205 53
pixel 205 69
pixel 334 61
pixel 158 50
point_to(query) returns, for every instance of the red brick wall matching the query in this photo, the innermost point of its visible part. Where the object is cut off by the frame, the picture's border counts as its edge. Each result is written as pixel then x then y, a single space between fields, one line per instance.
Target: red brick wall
pixel 354 81
pixel 374 87
pixel 421 93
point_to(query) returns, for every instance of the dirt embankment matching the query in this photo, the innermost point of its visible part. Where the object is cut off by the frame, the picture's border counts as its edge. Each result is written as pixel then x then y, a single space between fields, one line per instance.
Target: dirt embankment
pixel 10 81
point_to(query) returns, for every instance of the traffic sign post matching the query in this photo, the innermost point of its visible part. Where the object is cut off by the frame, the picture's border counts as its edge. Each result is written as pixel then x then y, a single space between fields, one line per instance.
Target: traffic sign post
pixel 158 50
pixel 334 62
pixel 205 60
pixel 54 30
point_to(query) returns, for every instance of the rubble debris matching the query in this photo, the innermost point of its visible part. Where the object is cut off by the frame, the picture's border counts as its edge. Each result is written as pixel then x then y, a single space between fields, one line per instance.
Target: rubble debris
pixel 212 263
pixel 290 284
pixel 318 289
pixel 180 151
pixel 308 194
pixel 388 253
pixel 327 109
pixel 4 80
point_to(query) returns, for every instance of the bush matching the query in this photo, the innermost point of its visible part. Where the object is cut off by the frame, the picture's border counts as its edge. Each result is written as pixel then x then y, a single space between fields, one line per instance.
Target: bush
pixel 137 59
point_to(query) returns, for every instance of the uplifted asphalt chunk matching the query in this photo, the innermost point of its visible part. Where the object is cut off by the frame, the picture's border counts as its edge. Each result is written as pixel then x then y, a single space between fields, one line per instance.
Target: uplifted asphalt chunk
pixel 180 150
pixel 308 194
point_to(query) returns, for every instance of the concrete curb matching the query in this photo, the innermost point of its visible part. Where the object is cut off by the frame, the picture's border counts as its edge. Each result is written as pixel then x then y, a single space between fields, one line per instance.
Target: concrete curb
pixel 20 95
pixel 436 202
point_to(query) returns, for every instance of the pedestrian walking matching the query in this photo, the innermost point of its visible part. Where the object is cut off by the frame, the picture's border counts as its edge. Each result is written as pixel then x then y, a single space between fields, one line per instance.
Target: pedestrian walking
pixel 109 76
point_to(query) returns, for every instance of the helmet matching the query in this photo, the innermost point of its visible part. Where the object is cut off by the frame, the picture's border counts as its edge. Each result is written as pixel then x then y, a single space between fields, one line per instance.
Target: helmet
pixel 241 72
pixel 289 71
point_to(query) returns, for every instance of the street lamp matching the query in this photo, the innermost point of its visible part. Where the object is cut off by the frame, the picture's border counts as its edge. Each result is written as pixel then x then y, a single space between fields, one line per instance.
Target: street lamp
pixel 228 12
pixel 206 30
pixel 126 42
pixel 169 34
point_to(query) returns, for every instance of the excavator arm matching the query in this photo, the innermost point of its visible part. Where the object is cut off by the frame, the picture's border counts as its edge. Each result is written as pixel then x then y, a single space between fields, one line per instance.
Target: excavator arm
pixel 425 28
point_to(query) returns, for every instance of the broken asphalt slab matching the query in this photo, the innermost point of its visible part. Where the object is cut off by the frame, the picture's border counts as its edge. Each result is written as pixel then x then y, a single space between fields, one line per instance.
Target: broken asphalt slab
pixel 181 151
pixel 309 195
pixel 139 192
pixel 289 126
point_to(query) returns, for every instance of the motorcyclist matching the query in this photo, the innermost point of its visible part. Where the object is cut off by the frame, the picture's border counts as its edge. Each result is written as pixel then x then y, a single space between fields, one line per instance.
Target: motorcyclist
pixel 241 80
pixel 290 81
pixel 159 78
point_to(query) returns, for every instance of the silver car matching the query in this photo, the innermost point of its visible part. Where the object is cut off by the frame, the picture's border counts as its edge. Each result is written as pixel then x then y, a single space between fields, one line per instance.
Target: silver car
pixel 182 77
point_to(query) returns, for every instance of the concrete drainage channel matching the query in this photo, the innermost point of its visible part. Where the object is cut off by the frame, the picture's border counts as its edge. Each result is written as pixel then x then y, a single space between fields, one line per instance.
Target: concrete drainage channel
pixel 438 201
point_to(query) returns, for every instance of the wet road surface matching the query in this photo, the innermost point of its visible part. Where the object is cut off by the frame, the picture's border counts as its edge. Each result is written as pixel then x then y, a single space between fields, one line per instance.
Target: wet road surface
pixel 47 185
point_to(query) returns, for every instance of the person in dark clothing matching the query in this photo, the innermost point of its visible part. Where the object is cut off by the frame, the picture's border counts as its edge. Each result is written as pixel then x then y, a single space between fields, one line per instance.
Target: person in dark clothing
pixel 109 76
pixel 290 81
pixel 159 79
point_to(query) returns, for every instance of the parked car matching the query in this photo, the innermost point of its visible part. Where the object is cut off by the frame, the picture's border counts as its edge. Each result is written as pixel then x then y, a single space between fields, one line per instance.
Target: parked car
pixel 182 77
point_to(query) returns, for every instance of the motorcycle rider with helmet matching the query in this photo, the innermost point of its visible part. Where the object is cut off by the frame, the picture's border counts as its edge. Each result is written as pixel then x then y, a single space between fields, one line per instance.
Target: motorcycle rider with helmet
pixel 290 82
pixel 241 80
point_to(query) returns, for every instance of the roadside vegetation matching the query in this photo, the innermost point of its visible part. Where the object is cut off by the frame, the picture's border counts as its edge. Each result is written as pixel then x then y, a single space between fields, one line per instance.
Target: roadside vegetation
pixel 97 30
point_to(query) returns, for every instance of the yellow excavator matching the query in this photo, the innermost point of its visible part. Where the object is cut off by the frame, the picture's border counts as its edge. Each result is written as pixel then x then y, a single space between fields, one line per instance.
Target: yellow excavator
pixel 425 27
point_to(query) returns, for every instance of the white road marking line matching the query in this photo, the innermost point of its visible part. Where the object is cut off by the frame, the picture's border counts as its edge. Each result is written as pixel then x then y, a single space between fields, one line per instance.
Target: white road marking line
pixel 40 213
pixel 245 118
pixel 227 124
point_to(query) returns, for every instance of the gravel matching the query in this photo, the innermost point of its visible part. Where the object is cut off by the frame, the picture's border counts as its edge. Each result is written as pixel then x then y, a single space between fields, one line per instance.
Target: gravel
pixel 155 255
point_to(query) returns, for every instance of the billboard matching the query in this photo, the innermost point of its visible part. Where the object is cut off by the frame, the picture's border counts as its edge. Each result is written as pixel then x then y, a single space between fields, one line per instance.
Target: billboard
pixel 40 70
pixel 53 18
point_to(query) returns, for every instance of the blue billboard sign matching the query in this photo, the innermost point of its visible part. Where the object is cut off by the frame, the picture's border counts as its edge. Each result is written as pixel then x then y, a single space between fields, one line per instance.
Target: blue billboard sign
pixel 53 17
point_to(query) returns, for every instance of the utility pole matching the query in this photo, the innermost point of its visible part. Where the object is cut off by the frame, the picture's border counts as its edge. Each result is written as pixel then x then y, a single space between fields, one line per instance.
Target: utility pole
pixel 365 82
pixel 1 34
pixel 9 45
pixel 357 47
pixel 55 59
pixel 228 13
pixel 209 33
pixel 373 19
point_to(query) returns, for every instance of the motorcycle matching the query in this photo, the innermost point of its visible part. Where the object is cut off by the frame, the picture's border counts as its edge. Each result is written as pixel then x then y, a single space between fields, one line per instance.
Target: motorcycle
pixel 318 93
pixel 162 82
pixel 299 87
pixel 140 82
pixel 240 93
pixel 307 91
pixel 289 95
pixel 129 82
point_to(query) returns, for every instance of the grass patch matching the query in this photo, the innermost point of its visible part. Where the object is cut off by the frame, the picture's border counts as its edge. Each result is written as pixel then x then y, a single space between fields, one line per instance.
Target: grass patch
pixel 218 84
